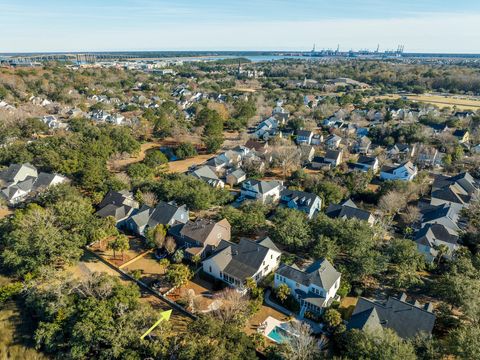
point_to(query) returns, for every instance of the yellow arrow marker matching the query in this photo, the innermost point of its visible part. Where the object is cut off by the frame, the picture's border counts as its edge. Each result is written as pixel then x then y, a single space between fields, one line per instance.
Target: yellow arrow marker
pixel 164 316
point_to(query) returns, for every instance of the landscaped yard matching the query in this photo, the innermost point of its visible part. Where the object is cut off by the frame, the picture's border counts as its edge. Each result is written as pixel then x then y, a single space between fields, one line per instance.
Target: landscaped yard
pixel 149 266
pixel 202 290
pixel 137 247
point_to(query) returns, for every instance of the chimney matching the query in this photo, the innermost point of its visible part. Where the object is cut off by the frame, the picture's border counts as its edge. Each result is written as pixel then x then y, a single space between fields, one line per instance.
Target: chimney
pixel 428 307
pixel 403 297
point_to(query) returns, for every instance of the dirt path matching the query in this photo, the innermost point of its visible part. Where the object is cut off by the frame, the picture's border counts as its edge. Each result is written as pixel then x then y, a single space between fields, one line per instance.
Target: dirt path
pixel 118 164
pixel 182 166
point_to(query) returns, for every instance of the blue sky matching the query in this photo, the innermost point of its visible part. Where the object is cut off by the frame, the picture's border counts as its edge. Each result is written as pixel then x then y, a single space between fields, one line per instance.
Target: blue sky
pixel 88 25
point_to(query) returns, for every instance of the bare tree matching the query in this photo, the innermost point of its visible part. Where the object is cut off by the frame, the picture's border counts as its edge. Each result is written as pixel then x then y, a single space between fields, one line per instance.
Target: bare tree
pixel 124 178
pixel 149 199
pixel 287 157
pixel 234 306
pixel 170 245
pixel 392 202
pixel 411 215
pixel 299 343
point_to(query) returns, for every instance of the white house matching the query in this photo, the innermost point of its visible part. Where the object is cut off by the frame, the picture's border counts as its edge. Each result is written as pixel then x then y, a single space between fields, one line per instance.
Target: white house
pixel 406 172
pixel 333 141
pixel 366 163
pixel 263 191
pixel 235 263
pixel 314 288
pixel 304 137
pixel 20 180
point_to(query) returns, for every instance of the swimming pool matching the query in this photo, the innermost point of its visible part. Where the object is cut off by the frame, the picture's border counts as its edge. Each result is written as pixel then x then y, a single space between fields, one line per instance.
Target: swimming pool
pixel 277 334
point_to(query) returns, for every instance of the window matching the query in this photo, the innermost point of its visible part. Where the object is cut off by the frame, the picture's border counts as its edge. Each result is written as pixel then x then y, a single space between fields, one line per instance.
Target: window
pixel 210 269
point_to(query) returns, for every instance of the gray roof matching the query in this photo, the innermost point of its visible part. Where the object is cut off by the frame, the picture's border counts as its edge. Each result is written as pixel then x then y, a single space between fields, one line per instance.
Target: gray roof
pixel 18 170
pixel 367 160
pixel 239 173
pixel 464 180
pixel 406 319
pixel 407 165
pixel 302 199
pixel 321 273
pixel 304 133
pixel 333 154
pixel 242 260
pixel 439 212
pixel 44 180
pixel 262 187
pixel 349 210
pixel 199 230
pixel 118 212
pixel 367 320
pixel 118 198
pixel 431 232
pixel 164 213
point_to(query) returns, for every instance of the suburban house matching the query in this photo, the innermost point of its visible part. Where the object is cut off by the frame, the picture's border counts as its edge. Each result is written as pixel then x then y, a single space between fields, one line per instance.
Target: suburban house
pixel 307 153
pixel 257 146
pixel 314 287
pixel 406 172
pixel 362 145
pixel 165 213
pixel 401 151
pixel 236 177
pixel 332 158
pixel 317 139
pixel 117 204
pixel 266 192
pixel 200 237
pixel 304 137
pixel 267 128
pixel 406 319
pixel 21 180
pixel 463 136
pixel 428 157
pixel 439 128
pixel 207 173
pixel 235 263
pixel 445 215
pixel 458 190
pixel 309 203
pixel 366 163
pixel 432 236
pixel 333 141
pixel 348 210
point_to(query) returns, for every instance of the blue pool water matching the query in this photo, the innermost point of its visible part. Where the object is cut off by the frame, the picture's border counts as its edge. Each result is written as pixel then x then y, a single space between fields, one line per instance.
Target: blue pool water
pixel 276 334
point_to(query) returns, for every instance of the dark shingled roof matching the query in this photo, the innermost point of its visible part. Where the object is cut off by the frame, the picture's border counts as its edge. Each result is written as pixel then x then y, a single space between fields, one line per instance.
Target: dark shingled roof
pixel 367 320
pixel 347 209
pixel 406 319
pixel 431 232
pixel 163 213
pixel 320 273
pixel 244 259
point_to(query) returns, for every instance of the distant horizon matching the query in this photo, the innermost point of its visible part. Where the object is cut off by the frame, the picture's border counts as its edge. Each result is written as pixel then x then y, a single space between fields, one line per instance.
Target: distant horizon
pixel 213 52
pixel 427 26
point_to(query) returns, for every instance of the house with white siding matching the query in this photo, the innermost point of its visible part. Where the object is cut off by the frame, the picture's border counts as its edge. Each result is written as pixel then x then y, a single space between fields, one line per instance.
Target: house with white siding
pixel 235 263
pixel 314 287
